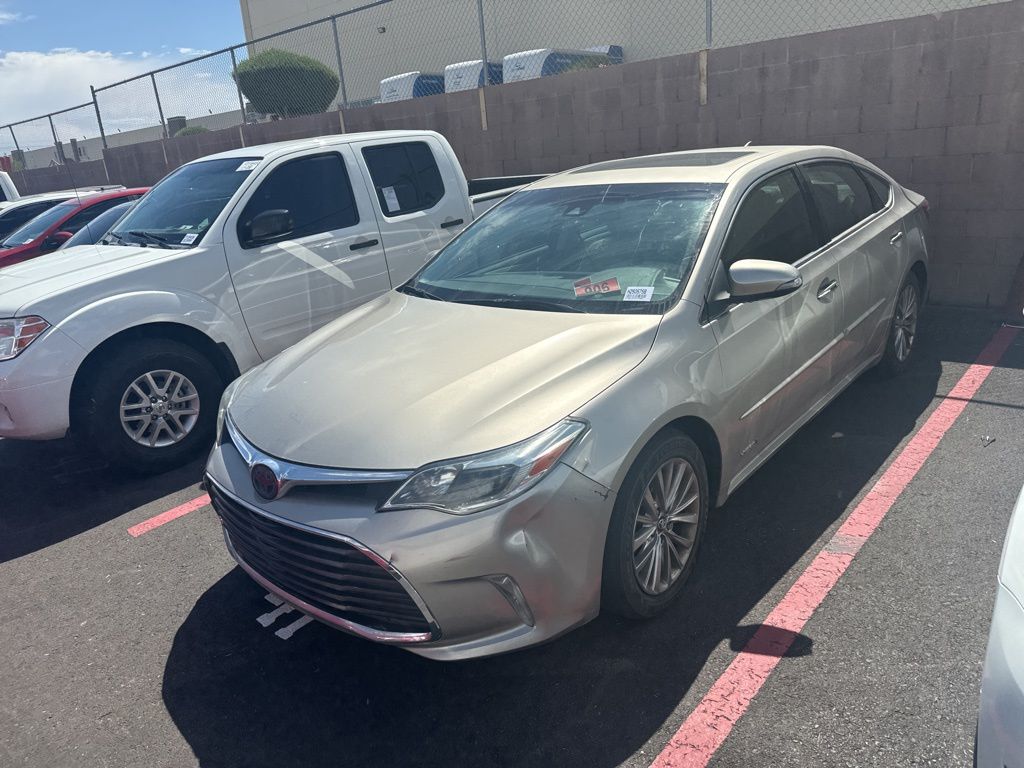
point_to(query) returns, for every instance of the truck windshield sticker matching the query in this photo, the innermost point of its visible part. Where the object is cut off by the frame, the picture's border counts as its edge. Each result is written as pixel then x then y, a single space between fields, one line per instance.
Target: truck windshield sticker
pixel 248 165
pixel 638 293
pixel 189 238
pixel 390 199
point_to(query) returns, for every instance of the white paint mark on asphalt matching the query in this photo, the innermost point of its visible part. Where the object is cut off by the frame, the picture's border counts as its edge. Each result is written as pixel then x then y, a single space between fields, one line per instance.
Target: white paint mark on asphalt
pixel 285 633
pixel 269 618
pixel 273 599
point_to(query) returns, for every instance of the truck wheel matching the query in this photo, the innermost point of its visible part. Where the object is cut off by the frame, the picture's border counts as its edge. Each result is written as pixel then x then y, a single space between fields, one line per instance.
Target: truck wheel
pixel 150 406
pixel 656 528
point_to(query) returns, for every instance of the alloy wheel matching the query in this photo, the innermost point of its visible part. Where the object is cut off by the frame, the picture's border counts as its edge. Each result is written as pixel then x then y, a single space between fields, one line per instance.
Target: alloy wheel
pixel 905 323
pixel 665 527
pixel 159 409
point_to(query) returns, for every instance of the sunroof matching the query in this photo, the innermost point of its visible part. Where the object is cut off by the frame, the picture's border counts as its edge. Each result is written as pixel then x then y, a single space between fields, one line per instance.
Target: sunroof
pixel 677 160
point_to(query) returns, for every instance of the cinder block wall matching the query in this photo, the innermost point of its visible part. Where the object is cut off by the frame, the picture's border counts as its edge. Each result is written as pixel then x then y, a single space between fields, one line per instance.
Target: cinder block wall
pixel 937 101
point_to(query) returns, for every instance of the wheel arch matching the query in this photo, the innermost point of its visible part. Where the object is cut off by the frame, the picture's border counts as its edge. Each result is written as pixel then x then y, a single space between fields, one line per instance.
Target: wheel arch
pixel 218 353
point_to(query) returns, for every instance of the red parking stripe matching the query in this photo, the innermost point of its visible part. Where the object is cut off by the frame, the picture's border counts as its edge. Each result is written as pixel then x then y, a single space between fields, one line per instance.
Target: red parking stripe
pixel 171 514
pixel 708 726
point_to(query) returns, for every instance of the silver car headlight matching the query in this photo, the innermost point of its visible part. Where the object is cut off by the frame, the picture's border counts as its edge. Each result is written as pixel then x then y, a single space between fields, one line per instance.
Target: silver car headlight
pixel 466 485
pixel 222 409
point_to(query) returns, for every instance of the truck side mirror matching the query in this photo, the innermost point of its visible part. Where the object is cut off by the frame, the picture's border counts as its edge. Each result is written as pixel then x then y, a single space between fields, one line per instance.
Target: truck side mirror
pixel 266 227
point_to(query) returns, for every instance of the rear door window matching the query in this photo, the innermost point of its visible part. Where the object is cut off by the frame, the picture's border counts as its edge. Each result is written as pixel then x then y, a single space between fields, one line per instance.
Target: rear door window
pixel 316 192
pixel 772 223
pixel 840 195
pixel 405 176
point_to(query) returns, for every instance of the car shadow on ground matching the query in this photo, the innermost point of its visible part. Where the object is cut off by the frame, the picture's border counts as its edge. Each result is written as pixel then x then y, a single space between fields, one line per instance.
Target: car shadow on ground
pixel 51 491
pixel 240 696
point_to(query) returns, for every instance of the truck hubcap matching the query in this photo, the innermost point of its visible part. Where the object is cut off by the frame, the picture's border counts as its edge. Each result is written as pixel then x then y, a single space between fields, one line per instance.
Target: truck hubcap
pixel 160 408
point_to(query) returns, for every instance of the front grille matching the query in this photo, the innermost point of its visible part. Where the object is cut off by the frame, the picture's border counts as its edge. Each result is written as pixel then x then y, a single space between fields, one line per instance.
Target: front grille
pixel 324 572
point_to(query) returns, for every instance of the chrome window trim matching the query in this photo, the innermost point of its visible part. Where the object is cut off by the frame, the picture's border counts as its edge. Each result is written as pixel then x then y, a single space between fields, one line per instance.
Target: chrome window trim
pixel 291 475
pixel 369 633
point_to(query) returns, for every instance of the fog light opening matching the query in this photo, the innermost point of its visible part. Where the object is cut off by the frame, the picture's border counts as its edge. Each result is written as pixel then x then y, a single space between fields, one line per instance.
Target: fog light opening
pixel 508 588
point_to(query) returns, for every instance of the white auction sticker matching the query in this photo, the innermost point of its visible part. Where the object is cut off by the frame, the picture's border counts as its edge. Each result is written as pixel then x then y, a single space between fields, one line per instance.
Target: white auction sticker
pixel 248 165
pixel 189 238
pixel 638 294
pixel 390 198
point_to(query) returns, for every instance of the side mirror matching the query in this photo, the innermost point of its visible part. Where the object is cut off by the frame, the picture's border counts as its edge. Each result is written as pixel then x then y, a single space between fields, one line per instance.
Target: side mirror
pixel 267 226
pixel 753 279
pixel 56 240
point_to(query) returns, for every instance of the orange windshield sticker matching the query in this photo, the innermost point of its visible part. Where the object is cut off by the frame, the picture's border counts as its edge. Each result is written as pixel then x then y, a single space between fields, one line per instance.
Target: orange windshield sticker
pixel 586 287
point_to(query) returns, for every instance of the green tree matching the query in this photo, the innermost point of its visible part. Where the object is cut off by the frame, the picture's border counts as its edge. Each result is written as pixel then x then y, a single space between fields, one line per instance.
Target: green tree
pixel 284 83
pixel 191 130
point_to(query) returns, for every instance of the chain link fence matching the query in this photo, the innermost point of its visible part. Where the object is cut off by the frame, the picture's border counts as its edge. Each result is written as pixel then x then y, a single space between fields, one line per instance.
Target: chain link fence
pixel 390 50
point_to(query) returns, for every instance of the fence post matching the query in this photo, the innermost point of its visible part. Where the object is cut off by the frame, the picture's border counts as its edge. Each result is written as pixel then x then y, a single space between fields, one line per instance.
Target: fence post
pixel 483 42
pixel 159 107
pixel 341 70
pixel 99 120
pixel 238 88
pixel 16 145
pixel 56 143
pixel 707 23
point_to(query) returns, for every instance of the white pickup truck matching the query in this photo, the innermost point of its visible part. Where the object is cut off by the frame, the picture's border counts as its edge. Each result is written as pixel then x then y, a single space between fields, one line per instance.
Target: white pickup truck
pixel 224 263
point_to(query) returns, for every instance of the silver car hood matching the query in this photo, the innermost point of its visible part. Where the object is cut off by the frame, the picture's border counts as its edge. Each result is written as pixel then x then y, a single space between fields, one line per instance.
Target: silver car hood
pixel 403 381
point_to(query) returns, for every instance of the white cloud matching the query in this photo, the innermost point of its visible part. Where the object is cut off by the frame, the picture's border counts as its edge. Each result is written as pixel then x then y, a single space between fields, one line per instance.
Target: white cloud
pixel 35 82
pixel 10 17
pixel 192 51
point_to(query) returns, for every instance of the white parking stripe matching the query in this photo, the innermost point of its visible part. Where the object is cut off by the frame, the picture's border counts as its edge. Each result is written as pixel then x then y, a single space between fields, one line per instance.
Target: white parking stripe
pixel 269 618
pixel 285 633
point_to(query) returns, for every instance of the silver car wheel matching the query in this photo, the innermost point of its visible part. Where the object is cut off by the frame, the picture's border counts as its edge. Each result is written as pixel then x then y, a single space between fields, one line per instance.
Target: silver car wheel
pixel 665 527
pixel 905 322
pixel 160 408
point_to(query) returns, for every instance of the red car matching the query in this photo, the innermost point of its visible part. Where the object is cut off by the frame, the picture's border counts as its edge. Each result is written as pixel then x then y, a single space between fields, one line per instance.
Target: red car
pixel 47 231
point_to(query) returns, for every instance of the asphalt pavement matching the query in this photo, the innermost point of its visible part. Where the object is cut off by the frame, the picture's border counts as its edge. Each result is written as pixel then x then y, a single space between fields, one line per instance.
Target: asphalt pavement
pixel 123 650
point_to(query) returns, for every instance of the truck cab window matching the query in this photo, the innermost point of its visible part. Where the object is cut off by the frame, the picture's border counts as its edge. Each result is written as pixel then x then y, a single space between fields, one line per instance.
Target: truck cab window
pixel 405 176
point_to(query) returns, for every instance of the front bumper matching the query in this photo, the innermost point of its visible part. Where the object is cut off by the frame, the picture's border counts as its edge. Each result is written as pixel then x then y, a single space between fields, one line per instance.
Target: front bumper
pixel 498 580
pixel 35 388
pixel 1001 714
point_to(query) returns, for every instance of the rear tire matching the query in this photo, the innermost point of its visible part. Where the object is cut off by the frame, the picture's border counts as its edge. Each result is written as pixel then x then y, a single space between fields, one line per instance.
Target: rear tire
pixel 150 406
pixel 654 535
pixel 902 339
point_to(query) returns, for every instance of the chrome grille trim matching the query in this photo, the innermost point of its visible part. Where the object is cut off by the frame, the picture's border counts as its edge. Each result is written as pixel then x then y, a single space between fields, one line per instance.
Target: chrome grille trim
pixel 368 583
pixel 291 475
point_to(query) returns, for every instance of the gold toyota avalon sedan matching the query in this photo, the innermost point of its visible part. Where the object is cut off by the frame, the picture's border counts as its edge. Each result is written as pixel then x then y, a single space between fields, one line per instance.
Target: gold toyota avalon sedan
pixel 535 427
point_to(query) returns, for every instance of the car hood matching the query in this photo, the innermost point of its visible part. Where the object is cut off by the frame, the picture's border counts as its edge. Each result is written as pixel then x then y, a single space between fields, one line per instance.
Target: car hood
pixel 405 381
pixel 21 284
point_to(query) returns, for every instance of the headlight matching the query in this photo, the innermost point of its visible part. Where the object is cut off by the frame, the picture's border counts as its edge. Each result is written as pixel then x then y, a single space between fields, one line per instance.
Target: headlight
pixel 222 409
pixel 462 486
pixel 16 333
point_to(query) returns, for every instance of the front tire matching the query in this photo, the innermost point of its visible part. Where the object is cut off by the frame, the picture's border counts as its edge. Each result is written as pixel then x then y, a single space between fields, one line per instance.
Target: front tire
pixel 656 528
pixel 150 406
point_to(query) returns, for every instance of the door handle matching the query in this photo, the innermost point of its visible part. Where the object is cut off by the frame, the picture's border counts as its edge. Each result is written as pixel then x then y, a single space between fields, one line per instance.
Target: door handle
pixel 896 238
pixel 452 223
pixel 364 244
pixel 826 288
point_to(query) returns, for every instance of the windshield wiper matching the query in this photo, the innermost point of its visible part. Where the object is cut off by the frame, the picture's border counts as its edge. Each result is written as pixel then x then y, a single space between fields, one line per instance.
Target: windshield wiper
pixel 519 302
pixel 144 235
pixel 115 236
pixel 412 290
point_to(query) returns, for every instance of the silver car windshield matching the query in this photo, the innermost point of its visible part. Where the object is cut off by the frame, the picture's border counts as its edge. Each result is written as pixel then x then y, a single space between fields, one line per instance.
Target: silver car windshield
pixel 596 248
pixel 179 210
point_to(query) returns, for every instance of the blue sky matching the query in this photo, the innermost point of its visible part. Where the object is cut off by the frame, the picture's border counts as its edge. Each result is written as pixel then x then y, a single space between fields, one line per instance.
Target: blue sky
pixel 52 50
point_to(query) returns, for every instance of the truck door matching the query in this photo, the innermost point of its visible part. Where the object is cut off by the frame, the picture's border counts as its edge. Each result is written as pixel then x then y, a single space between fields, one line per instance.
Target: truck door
pixel 420 200
pixel 303 248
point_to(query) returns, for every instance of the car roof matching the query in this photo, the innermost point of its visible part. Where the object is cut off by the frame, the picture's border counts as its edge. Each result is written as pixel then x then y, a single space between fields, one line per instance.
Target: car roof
pixel 91 198
pixel 723 165
pixel 276 149
pixel 40 198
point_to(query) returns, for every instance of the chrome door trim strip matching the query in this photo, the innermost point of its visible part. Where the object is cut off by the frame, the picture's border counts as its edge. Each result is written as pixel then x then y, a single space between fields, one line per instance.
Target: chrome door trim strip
pixel 785 382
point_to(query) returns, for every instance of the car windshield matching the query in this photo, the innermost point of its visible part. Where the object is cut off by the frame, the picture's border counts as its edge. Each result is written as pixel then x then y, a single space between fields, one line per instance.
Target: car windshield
pixel 179 210
pixel 37 226
pixel 98 227
pixel 605 248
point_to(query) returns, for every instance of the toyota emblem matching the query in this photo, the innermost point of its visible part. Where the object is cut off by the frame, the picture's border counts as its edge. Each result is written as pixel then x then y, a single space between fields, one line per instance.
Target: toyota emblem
pixel 265 482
